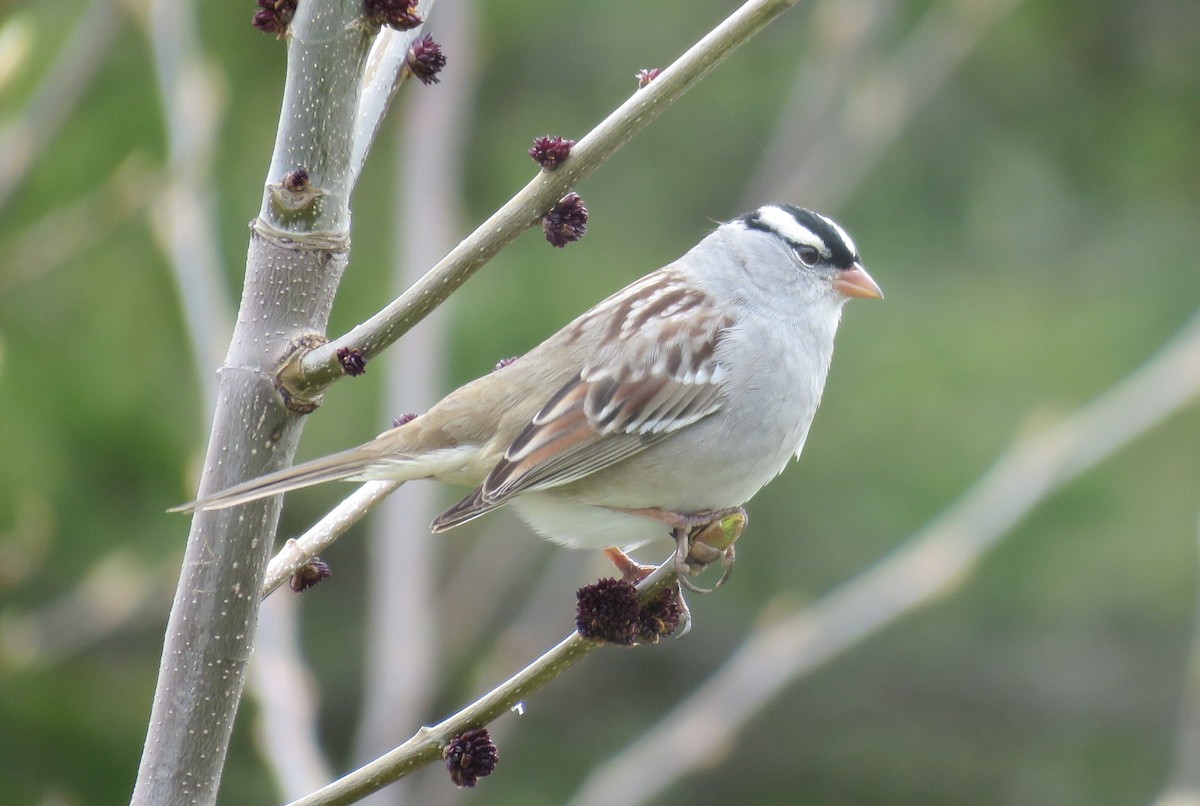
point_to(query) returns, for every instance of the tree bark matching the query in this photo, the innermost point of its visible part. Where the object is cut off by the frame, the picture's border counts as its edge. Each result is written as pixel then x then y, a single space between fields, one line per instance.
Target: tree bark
pixel 298 250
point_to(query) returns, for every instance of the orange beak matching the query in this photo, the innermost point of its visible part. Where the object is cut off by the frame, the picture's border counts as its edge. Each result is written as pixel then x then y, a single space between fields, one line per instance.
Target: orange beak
pixel 855 282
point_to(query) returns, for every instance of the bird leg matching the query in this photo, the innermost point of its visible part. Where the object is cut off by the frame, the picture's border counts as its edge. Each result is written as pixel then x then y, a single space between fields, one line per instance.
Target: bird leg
pixel 701 538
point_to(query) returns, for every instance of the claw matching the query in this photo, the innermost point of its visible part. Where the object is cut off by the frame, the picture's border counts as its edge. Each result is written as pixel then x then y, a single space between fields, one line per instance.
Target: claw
pixel 727 563
pixel 685 614
pixel 684 561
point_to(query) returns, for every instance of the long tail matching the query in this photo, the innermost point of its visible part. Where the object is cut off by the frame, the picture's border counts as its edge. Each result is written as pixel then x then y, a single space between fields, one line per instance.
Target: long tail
pixel 337 466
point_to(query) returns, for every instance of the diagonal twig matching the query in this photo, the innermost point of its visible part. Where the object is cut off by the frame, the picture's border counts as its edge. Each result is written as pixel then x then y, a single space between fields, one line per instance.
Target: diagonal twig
pixel 426 746
pixel 320 367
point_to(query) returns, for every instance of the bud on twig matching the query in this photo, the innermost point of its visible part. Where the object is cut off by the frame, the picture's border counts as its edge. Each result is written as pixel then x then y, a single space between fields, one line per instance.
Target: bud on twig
pixel 566 222
pixel 353 362
pixel 470 756
pixel 660 615
pixel 607 612
pixel 645 76
pixel 274 16
pixel 399 14
pixel 425 60
pixel 549 152
pixel 310 574
pixel 403 419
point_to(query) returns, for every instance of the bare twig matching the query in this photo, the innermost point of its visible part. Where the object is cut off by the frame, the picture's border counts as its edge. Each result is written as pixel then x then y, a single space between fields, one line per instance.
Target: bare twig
pixel 929 566
pixel 384 73
pixel 320 366
pixel 295 553
pixel 426 746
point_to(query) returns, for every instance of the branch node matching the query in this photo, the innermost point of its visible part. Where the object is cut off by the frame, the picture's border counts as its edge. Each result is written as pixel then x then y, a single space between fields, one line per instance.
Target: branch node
pixel 289 378
pixel 294 192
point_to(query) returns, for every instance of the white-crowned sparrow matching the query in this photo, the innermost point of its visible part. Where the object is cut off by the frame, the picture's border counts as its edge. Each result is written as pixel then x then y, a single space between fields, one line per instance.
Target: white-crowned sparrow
pixel 683 393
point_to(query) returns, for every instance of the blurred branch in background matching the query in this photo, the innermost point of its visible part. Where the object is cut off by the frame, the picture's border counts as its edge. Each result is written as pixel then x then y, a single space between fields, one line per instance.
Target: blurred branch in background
pixel 402 619
pixel 118 592
pixel 185 220
pixel 487 575
pixel 930 565
pixel 1183 788
pixel 70 230
pixel 851 100
pixel 288 699
pixel 26 136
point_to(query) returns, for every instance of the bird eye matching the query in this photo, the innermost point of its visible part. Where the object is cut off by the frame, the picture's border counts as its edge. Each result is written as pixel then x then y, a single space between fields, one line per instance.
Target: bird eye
pixel 808 254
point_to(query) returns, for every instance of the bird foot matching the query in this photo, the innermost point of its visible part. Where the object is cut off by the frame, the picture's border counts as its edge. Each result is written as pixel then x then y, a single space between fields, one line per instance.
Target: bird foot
pixel 703 538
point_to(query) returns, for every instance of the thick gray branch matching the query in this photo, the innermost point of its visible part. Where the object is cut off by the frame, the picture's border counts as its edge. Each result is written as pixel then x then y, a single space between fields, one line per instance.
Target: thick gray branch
pixel 297 254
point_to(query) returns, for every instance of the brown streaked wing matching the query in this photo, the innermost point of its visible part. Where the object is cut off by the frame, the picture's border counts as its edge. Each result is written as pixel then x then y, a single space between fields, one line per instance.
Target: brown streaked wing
pixel 664 377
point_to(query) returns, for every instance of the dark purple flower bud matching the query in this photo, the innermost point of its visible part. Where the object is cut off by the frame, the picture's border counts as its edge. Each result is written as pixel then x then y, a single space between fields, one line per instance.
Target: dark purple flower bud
pixel 426 60
pixel 353 362
pixel 659 616
pixel 504 362
pixel 312 573
pixel 295 181
pixel 607 611
pixel 403 419
pixel 470 756
pixel 549 152
pixel 645 76
pixel 566 222
pixel 274 16
pixel 399 14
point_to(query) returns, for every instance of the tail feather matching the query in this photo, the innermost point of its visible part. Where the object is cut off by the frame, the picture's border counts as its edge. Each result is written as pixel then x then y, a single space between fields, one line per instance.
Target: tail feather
pixel 336 467
pixel 465 510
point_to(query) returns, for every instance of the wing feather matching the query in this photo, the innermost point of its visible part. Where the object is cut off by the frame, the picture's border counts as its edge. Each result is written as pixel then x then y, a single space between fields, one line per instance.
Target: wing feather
pixel 655 371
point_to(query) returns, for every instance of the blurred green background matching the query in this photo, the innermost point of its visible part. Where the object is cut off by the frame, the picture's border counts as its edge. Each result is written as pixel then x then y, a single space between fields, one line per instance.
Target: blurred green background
pixel 1035 224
